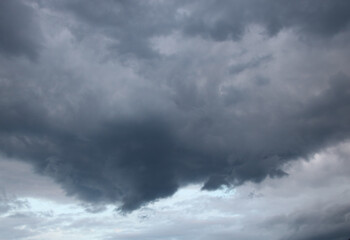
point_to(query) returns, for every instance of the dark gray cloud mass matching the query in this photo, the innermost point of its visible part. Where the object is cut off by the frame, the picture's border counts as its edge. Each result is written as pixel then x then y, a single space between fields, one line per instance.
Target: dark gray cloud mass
pixel 221 20
pixel 180 123
pixel 131 24
pixel 19 30
pixel 326 223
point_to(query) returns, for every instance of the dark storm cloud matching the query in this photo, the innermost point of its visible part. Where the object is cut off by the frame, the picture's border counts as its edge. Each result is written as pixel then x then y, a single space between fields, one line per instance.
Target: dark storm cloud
pixel 139 160
pixel 19 30
pixel 177 125
pixel 222 20
pixel 132 24
pixel 325 223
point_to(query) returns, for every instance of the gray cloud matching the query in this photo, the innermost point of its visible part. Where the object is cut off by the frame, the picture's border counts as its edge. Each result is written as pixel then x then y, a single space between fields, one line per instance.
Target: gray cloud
pixel 10 203
pixel 331 223
pixel 140 160
pixel 128 24
pixel 20 33
pixel 18 179
pixel 236 69
pixel 133 129
pixel 222 20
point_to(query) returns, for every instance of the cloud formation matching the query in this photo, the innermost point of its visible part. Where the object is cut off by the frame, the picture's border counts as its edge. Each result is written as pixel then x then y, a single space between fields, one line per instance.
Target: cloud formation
pixel 20 32
pixel 221 20
pixel 116 111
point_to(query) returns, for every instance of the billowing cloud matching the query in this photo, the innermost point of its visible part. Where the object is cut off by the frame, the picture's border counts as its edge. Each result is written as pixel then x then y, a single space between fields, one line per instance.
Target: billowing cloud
pixel 116 111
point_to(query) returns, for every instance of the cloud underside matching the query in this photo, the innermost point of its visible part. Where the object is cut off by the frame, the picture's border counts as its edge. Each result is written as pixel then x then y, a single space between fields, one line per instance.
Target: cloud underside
pixel 129 124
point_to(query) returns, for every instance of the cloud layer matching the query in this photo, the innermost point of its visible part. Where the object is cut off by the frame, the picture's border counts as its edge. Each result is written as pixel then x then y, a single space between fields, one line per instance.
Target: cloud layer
pixel 126 101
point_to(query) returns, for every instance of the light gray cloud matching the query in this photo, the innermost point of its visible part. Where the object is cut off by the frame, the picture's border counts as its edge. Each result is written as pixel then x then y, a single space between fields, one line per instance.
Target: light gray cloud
pixel 8 203
pixel 18 180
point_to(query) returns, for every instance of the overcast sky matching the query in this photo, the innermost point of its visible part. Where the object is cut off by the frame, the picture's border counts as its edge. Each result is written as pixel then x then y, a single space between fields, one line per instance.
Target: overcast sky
pixel 174 119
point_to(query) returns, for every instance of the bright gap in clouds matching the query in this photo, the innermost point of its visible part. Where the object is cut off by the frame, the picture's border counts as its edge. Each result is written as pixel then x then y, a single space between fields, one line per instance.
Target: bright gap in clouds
pixel 295 205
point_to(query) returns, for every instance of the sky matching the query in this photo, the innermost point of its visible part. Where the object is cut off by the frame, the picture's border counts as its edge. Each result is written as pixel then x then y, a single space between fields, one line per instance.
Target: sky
pixel 174 119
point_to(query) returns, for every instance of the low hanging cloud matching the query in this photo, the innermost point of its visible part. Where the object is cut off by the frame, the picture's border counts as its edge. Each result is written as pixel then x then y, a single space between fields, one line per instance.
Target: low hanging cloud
pixel 113 120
